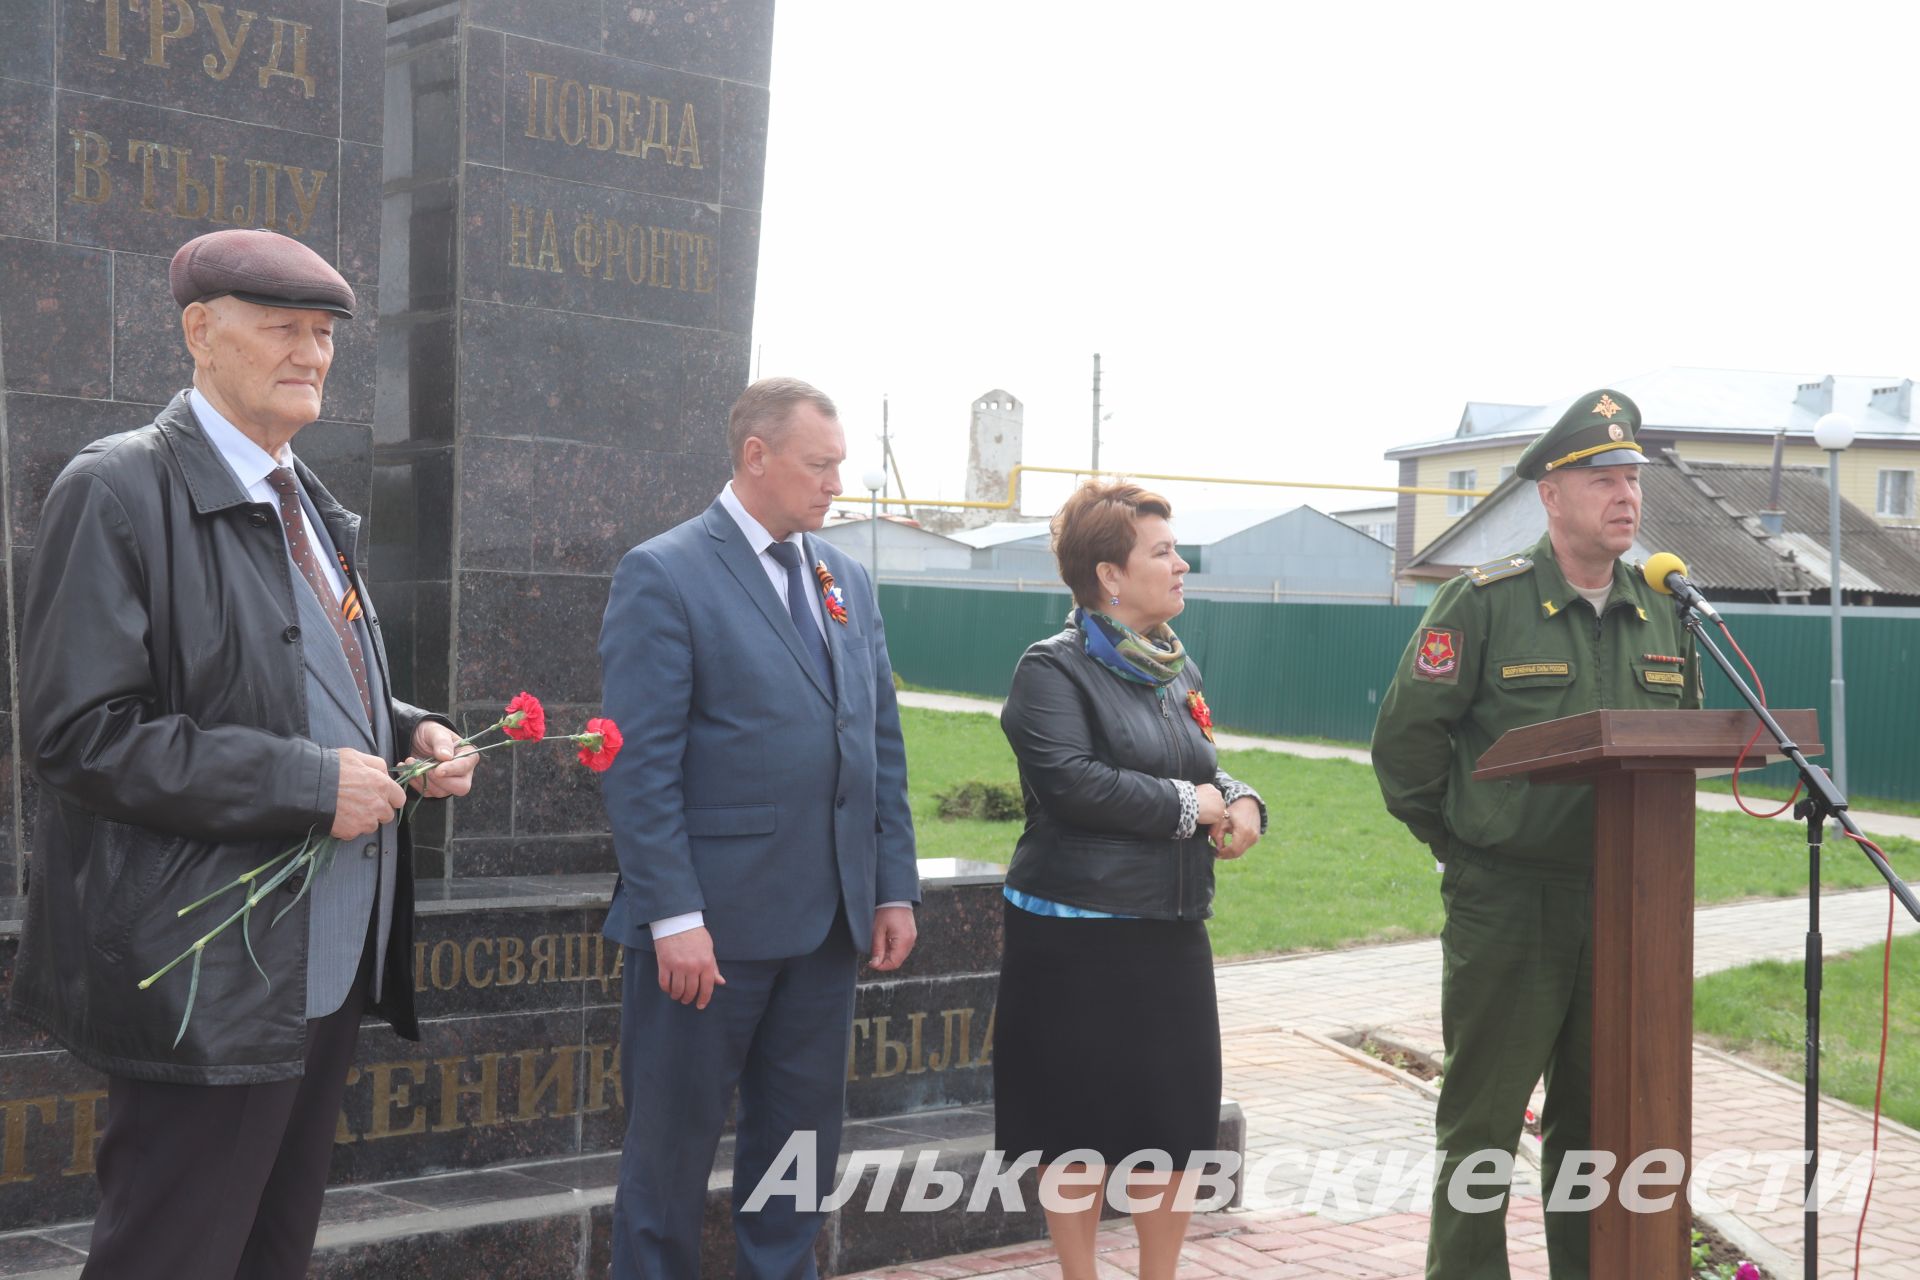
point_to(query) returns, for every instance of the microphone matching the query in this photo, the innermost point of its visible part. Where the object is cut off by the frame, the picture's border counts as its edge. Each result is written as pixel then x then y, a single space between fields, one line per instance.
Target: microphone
pixel 1666 573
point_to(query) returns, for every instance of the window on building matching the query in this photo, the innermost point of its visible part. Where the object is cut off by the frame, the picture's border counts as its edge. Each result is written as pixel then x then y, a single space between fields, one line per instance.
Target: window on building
pixel 1458 506
pixel 1896 495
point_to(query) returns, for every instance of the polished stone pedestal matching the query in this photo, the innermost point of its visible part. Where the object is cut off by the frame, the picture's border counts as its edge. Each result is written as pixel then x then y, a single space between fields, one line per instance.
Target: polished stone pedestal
pixel 495 1138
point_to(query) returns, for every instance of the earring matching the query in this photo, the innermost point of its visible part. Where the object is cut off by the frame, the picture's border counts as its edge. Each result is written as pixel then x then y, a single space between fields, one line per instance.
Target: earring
pixel 1114 600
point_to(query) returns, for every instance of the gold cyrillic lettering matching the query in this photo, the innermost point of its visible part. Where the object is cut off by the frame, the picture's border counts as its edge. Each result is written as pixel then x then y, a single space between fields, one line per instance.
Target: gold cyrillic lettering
pixel 628 143
pixel 614 237
pixel 307 201
pixel 586 254
pixel 146 152
pixel 230 46
pixel 537 83
pixel 454 1085
pixel 13 1148
pixel 113 49
pixel 916 1063
pixel 513 970
pixel 271 171
pixel 659 252
pixel 956 1047
pixel 889 1055
pixel 542 960
pixel 218 208
pixel 189 193
pixel 985 1056
pixel 100 186
pixel 557 1080
pixel 342 1133
pixel 299 74
pixel 659 113
pixel 86 1131
pixel 549 259
pixel 603 1070
pixel 419 948
pixel 577 115
pixel 689 141
pixel 702 264
pixel 159 34
pixel 475 978
pixel 519 236
pixel 855 1034
pixel 682 242
pixel 446 965
pixel 600 100
pixel 390 1092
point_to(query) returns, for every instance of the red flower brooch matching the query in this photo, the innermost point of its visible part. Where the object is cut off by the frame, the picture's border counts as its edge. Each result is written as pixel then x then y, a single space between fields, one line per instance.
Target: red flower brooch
pixel 1201 713
pixel 830 595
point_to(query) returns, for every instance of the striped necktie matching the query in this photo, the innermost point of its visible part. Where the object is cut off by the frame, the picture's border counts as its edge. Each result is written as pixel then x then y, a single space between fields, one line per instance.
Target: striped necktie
pixel 307 559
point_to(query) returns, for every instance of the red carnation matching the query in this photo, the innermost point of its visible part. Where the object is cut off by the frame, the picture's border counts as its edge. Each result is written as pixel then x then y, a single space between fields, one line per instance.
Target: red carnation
pixel 526 719
pixel 599 744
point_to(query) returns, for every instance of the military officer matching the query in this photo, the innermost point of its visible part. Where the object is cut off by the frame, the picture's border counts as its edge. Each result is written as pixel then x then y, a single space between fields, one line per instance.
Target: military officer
pixel 1559 629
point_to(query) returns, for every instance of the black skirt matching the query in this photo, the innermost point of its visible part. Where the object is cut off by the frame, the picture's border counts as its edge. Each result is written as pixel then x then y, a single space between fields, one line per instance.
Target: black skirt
pixel 1106 1036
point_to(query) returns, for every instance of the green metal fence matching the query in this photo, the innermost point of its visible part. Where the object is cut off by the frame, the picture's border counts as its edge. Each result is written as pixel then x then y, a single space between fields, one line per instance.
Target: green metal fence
pixel 1320 670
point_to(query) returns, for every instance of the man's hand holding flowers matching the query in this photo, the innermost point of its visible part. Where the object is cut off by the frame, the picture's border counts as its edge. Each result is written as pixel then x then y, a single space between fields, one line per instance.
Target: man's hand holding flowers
pixel 454 777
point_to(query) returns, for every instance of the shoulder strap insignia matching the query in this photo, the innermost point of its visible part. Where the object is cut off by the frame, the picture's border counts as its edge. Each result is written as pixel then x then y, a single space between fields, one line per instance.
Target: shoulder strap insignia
pixel 1495 570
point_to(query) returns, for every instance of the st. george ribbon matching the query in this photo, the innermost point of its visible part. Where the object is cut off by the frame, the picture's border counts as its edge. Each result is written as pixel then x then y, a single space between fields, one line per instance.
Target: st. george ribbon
pixel 1666 573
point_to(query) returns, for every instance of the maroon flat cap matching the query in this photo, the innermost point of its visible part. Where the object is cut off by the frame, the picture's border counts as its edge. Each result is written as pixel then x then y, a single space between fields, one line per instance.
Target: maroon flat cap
pixel 264 267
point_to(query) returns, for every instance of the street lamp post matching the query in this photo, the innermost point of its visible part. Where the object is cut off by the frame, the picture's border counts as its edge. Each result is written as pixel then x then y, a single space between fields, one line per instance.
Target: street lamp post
pixel 875 480
pixel 1834 432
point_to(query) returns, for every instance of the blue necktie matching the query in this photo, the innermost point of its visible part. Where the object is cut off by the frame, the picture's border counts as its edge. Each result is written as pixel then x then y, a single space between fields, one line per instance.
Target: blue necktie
pixel 797 587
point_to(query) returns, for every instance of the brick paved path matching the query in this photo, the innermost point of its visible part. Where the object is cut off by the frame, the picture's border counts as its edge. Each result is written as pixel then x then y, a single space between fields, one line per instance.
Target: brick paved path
pixel 1304 1094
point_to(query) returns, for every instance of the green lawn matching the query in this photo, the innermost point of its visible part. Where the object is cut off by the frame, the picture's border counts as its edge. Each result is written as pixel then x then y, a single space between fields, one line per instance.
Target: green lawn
pixel 1335 869
pixel 1759 1012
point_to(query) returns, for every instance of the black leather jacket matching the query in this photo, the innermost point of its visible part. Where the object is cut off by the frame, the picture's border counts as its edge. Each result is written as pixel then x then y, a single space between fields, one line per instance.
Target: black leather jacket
pixel 163 709
pixel 1098 756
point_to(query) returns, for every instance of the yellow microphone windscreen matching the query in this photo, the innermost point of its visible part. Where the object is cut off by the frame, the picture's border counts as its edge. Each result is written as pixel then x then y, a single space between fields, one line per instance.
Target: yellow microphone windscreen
pixel 1658 566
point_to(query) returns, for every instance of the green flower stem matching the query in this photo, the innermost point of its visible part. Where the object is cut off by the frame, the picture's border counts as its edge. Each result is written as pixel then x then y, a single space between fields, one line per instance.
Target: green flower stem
pixel 242 879
pixel 313 854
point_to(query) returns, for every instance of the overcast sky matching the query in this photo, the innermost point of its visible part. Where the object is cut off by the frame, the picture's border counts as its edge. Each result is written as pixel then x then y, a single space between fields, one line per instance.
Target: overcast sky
pixel 1301 234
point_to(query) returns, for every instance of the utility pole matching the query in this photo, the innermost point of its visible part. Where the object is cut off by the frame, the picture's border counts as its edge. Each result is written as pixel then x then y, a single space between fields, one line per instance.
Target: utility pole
pixel 886 445
pixel 1096 411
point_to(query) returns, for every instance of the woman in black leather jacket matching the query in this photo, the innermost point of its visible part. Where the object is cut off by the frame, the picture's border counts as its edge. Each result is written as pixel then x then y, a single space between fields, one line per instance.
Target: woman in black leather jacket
pixel 1107 1035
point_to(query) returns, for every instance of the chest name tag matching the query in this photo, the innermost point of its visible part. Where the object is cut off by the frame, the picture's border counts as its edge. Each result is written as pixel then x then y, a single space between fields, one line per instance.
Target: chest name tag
pixel 1518 670
pixel 1665 677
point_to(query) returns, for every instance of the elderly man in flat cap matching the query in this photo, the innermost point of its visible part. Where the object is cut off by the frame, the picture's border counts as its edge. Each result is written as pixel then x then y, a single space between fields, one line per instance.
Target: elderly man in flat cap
pixel 1558 629
pixel 202 686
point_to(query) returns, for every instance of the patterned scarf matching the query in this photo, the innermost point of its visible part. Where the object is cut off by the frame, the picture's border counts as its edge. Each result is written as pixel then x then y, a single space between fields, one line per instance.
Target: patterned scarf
pixel 1155 659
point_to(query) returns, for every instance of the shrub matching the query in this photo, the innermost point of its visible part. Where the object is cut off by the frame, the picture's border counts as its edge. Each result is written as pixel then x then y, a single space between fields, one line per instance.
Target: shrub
pixel 993 801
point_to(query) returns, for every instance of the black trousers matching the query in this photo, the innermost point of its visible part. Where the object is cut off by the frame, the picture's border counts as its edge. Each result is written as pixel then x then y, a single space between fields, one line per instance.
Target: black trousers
pixel 222 1182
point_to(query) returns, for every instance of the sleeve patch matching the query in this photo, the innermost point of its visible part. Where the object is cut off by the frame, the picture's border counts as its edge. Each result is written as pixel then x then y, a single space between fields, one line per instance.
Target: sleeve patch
pixel 1437 657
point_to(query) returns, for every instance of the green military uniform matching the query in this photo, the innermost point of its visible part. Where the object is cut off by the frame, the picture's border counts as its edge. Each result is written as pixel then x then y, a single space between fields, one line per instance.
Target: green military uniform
pixel 1506 644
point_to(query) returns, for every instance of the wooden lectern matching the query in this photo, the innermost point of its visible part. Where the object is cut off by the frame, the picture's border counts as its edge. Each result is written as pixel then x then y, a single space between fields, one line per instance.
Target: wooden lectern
pixel 1642 766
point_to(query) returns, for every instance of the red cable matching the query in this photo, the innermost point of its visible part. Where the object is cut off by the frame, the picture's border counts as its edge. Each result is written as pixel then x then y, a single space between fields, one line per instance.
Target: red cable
pixel 1740 763
pixel 1886 962
pixel 1880 1080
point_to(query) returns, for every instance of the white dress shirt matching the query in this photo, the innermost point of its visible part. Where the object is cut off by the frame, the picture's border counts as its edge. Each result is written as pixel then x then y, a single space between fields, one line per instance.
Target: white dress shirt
pixel 759 539
pixel 251 465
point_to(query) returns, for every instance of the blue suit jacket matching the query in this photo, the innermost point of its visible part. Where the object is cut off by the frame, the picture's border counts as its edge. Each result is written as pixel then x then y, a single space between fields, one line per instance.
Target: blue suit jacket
pixel 748 790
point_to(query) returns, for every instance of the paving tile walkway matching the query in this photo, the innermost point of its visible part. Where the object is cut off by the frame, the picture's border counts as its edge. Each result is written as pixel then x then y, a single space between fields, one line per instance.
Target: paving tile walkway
pixel 1308 1099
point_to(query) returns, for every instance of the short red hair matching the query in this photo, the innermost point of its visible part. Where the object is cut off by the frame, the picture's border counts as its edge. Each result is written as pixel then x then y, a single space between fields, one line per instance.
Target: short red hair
pixel 1098 525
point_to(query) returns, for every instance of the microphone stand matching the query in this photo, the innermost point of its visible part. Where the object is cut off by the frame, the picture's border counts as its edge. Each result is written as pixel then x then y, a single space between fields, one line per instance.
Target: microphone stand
pixel 1823 802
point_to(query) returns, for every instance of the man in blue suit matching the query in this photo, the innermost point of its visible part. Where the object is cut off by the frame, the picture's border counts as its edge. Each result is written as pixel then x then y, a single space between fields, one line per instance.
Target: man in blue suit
pixel 760 816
